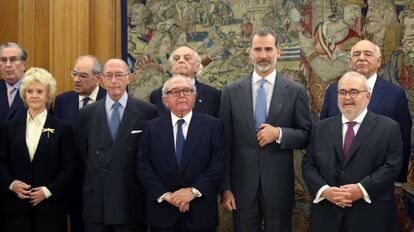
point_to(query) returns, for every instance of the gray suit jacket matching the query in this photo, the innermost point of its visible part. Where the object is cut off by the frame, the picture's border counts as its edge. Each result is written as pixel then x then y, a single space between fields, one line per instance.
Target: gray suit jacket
pixel 112 193
pixel 248 164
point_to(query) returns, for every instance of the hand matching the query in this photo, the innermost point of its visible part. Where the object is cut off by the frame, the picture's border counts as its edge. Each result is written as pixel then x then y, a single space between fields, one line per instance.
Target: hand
pixel 356 192
pixel 184 207
pixel 37 195
pixel 267 134
pixel 181 197
pixel 228 201
pixel 21 189
pixel 338 196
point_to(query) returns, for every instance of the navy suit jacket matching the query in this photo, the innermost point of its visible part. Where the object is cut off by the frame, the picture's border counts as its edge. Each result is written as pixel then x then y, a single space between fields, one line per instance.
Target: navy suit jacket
pixel 208 100
pixel 52 165
pixel 112 193
pixel 17 109
pixel 66 106
pixel 387 99
pixel 202 167
pixel 374 161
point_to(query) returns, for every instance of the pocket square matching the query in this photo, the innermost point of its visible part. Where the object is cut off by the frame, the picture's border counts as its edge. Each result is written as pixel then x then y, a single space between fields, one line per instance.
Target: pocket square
pixel 136 131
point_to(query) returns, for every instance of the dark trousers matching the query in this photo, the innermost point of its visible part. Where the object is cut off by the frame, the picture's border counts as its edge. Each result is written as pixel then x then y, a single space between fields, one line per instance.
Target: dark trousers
pixel 35 222
pixel 258 217
pixel 98 227
pixel 179 229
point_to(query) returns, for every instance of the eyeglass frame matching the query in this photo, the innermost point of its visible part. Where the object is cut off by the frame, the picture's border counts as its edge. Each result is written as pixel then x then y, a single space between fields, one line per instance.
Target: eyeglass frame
pixel 353 93
pixel 177 92
pixel 117 76
pixel 11 59
pixel 74 74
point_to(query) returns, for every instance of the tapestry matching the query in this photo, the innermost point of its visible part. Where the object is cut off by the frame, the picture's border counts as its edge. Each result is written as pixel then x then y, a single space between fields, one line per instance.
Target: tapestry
pixel 315 36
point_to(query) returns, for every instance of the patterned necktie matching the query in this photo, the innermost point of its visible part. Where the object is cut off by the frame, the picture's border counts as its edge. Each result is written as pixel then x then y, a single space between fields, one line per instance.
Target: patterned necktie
pixel 349 137
pixel 10 91
pixel 261 105
pixel 85 101
pixel 179 143
pixel 115 120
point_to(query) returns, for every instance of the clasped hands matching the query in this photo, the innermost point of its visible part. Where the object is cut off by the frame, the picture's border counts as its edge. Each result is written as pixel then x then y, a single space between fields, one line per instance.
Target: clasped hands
pixel 344 195
pixel 25 191
pixel 180 199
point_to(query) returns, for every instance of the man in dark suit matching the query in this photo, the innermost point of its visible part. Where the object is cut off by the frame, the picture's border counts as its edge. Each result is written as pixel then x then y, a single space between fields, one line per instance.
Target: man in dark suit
pixel 109 131
pixel 387 99
pixel 351 164
pixel 86 75
pixel 181 162
pixel 185 61
pixel 265 116
pixel 12 65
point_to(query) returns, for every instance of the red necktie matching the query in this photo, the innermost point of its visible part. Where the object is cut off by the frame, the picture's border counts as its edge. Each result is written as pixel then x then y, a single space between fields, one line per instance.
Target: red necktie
pixel 349 137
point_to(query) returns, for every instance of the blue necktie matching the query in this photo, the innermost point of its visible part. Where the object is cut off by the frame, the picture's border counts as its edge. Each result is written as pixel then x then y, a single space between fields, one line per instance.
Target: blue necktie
pixel 261 109
pixel 179 143
pixel 115 120
pixel 85 101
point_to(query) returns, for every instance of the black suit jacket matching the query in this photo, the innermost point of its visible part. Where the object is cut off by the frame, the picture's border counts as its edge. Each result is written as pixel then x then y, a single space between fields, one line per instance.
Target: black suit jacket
pixel 52 166
pixel 17 109
pixel 374 162
pixel 112 193
pixel 387 99
pixel 202 167
pixel 66 106
pixel 208 100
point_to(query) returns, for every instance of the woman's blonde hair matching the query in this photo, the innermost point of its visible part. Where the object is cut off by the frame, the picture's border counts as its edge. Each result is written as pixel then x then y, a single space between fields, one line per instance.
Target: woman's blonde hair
pixel 38 75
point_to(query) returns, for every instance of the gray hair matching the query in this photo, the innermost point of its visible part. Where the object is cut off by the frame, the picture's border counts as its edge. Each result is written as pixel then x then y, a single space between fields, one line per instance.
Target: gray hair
pixel 196 57
pixel 178 76
pixel 356 75
pixel 38 75
pixel 96 65
pixel 377 49
pixel 23 53
pixel 264 31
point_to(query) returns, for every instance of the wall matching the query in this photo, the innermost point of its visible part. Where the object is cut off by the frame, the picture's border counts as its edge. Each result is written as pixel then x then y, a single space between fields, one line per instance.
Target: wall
pixel 56 32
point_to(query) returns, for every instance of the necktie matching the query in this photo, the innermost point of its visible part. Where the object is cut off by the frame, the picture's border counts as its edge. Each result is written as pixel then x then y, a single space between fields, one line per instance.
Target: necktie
pixel 349 137
pixel 10 91
pixel 261 106
pixel 115 120
pixel 179 143
pixel 85 101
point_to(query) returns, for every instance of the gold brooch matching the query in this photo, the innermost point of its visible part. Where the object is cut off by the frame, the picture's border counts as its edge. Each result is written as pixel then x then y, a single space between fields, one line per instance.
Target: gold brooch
pixel 48 130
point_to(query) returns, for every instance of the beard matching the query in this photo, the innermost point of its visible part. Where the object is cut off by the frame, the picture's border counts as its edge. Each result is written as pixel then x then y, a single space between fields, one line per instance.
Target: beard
pixel 266 68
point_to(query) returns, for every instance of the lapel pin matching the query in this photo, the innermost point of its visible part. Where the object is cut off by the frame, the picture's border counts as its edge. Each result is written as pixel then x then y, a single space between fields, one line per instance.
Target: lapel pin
pixel 48 131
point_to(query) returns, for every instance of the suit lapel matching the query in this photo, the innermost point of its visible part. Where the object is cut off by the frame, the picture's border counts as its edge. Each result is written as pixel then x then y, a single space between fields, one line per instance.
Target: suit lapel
pixel 367 125
pixel 166 135
pixel 101 124
pixel 377 94
pixel 245 100
pixel 21 139
pixel 16 102
pixel 280 91
pixel 45 137
pixel 335 130
pixel 193 137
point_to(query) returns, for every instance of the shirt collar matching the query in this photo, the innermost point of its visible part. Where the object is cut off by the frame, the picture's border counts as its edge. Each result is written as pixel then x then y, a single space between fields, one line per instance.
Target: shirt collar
pixel 93 96
pixel 371 81
pixel 41 118
pixel 16 85
pixel 109 102
pixel 270 78
pixel 187 118
pixel 358 119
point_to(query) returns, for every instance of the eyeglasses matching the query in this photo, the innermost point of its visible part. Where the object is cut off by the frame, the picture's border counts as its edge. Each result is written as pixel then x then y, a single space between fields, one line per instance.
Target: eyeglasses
pixel 116 75
pixel 177 92
pixel 12 60
pixel 81 75
pixel 352 93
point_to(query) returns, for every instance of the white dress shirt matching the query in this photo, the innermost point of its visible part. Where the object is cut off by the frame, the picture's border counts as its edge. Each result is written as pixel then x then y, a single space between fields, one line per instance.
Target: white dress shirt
pixel 92 97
